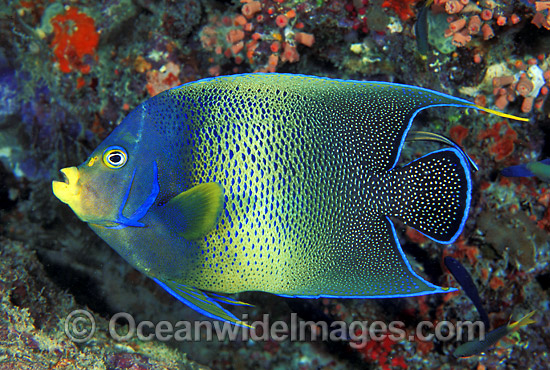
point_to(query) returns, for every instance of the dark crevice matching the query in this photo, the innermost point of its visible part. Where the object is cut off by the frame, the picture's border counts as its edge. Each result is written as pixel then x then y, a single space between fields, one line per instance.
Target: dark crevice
pixel 545 150
pixel 532 40
pixel 544 280
pixel 85 289
pixel 432 267
pixel 311 310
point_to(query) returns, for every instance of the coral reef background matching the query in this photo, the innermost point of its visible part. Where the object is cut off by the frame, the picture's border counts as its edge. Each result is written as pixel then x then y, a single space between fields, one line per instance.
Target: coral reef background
pixel 71 70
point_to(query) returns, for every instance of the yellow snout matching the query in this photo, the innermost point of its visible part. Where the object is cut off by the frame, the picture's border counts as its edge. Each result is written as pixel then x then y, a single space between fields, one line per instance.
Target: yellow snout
pixel 67 191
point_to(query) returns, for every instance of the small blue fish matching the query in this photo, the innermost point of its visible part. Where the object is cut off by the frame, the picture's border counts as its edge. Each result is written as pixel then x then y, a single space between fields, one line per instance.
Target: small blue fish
pixel 421 29
pixel 272 182
pixel 540 170
pixel 477 346
pixel 464 278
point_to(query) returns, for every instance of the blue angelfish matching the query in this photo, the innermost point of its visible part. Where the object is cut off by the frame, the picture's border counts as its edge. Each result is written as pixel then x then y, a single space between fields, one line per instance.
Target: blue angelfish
pixel 272 182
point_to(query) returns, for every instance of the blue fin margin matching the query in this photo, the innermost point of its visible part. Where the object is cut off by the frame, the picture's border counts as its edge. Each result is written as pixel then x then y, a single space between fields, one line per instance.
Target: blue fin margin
pixel 200 302
pixel 437 289
pixel 466 168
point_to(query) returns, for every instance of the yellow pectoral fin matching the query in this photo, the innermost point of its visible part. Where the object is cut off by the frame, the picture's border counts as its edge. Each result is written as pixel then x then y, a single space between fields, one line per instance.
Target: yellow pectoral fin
pixel 196 211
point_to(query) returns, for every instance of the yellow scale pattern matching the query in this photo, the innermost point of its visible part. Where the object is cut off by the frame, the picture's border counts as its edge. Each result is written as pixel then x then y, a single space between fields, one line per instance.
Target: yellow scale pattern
pixel 306 167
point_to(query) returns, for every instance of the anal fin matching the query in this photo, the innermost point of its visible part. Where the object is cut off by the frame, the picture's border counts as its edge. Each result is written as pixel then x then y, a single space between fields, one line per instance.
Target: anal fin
pixel 202 303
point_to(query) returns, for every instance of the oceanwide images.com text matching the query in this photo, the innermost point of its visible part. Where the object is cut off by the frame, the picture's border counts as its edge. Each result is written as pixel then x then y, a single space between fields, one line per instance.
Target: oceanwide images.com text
pixel 80 326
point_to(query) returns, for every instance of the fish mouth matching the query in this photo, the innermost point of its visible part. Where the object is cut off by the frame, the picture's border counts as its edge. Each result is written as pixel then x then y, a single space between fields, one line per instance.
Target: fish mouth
pixel 65 178
pixel 67 190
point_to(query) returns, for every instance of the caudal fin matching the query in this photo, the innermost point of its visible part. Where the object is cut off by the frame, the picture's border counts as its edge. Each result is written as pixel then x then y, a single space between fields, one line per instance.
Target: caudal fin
pixel 525 320
pixel 439 193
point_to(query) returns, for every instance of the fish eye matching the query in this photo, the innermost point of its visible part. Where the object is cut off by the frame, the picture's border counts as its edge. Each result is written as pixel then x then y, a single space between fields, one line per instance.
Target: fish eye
pixel 115 157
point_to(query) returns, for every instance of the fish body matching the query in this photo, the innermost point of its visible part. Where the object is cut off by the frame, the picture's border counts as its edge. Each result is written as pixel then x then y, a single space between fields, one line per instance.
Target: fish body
pixel 539 169
pixel 442 139
pixel 271 182
pixel 464 278
pixel 478 346
pixel 421 29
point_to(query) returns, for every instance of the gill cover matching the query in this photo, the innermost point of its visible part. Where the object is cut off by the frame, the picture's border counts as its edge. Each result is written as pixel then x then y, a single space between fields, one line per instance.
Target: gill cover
pixel 122 221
